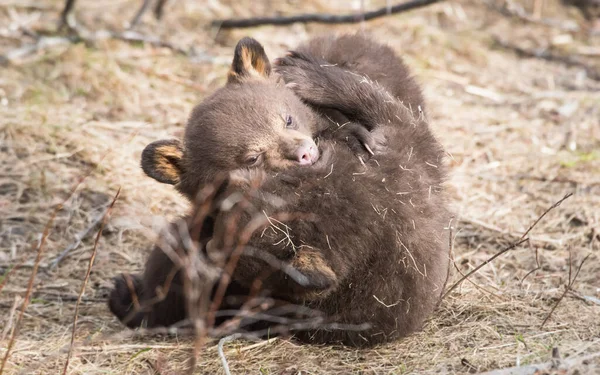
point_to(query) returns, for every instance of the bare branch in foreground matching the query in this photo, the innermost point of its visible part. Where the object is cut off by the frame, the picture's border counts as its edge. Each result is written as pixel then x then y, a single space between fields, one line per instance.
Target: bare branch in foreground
pixel 67 16
pixel 568 287
pixel 30 286
pixel 323 18
pixel 78 238
pixel 87 276
pixel 158 12
pixel 222 342
pixel 522 240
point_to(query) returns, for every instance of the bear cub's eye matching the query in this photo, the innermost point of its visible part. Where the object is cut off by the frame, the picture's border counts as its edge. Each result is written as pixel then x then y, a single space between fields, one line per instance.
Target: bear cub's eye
pixel 253 160
pixel 289 123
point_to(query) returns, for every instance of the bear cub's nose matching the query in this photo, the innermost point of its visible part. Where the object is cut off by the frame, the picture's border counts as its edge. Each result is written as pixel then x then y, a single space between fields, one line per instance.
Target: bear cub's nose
pixel 307 153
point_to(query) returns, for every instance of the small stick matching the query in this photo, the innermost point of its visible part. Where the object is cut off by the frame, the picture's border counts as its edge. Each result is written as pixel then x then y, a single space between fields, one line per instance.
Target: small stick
pixel 10 319
pixel 67 18
pixel 36 265
pixel 537 262
pixel 483 264
pixel 222 342
pixel 159 9
pixel 519 242
pixel 87 276
pixel 545 212
pixel 139 14
pixel 78 238
pixel 323 18
pixel 158 12
pixel 567 287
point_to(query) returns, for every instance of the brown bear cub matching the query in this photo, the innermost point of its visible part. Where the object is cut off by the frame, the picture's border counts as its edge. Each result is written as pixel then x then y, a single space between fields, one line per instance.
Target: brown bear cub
pixel 374 250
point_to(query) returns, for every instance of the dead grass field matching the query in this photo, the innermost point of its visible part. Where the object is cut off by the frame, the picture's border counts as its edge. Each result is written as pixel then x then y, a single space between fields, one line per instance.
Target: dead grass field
pixel 522 132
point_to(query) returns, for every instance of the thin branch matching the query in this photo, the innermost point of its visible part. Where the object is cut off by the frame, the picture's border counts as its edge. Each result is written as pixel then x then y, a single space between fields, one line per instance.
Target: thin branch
pixel 11 316
pixel 138 16
pixel 244 238
pixel 159 9
pixel 29 286
pixel 222 342
pixel 323 18
pixel 483 264
pixel 519 242
pixel 568 287
pixel 87 276
pixel 158 12
pixel 67 16
pixel 538 266
pixel 555 205
pixel 41 247
pixel 78 238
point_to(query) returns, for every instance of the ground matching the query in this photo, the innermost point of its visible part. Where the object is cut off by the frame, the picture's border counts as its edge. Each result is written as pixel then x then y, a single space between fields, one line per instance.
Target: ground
pixel 521 132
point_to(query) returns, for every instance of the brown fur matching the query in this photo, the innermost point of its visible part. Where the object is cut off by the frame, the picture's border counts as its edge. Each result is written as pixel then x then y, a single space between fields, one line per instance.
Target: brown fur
pixel 377 252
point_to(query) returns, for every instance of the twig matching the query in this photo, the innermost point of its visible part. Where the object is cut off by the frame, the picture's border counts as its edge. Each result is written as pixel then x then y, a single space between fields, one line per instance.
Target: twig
pixel 222 342
pixel 244 238
pixel 67 17
pixel 567 196
pixel 483 264
pixel 10 319
pixel 87 276
pixel 537 262
pixel 159 9
pixel 158 12
pixel 29 286
pixel 494 228
pixel 139 14
pixel 40 251
pixel 78 238
pixel 567 287
pixel 519 242
pixel 475 284
pixel 323 18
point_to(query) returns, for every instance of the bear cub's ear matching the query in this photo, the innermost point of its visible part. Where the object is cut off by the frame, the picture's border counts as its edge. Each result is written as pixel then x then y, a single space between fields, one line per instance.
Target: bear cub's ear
pixel 162 160
pixel 249 61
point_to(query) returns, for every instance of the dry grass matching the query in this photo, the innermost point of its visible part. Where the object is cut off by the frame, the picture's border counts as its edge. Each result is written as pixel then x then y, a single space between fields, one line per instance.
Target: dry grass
pixel 509 123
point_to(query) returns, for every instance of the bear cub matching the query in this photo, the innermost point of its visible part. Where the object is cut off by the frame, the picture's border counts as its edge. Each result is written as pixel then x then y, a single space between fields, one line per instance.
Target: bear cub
pixel 376 252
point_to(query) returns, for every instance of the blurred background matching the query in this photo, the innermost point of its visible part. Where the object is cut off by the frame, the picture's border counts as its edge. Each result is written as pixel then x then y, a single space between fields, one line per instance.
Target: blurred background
pixel 513 88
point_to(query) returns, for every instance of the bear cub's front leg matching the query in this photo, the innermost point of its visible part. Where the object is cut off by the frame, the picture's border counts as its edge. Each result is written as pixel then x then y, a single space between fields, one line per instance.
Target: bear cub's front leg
pixel 333 91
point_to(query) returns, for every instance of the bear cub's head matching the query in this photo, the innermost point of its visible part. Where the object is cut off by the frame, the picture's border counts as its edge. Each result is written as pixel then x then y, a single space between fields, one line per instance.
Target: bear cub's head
pixel 254 121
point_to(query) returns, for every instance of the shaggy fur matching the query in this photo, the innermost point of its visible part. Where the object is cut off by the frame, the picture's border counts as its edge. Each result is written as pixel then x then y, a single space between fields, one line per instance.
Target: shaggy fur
pixel 374 250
